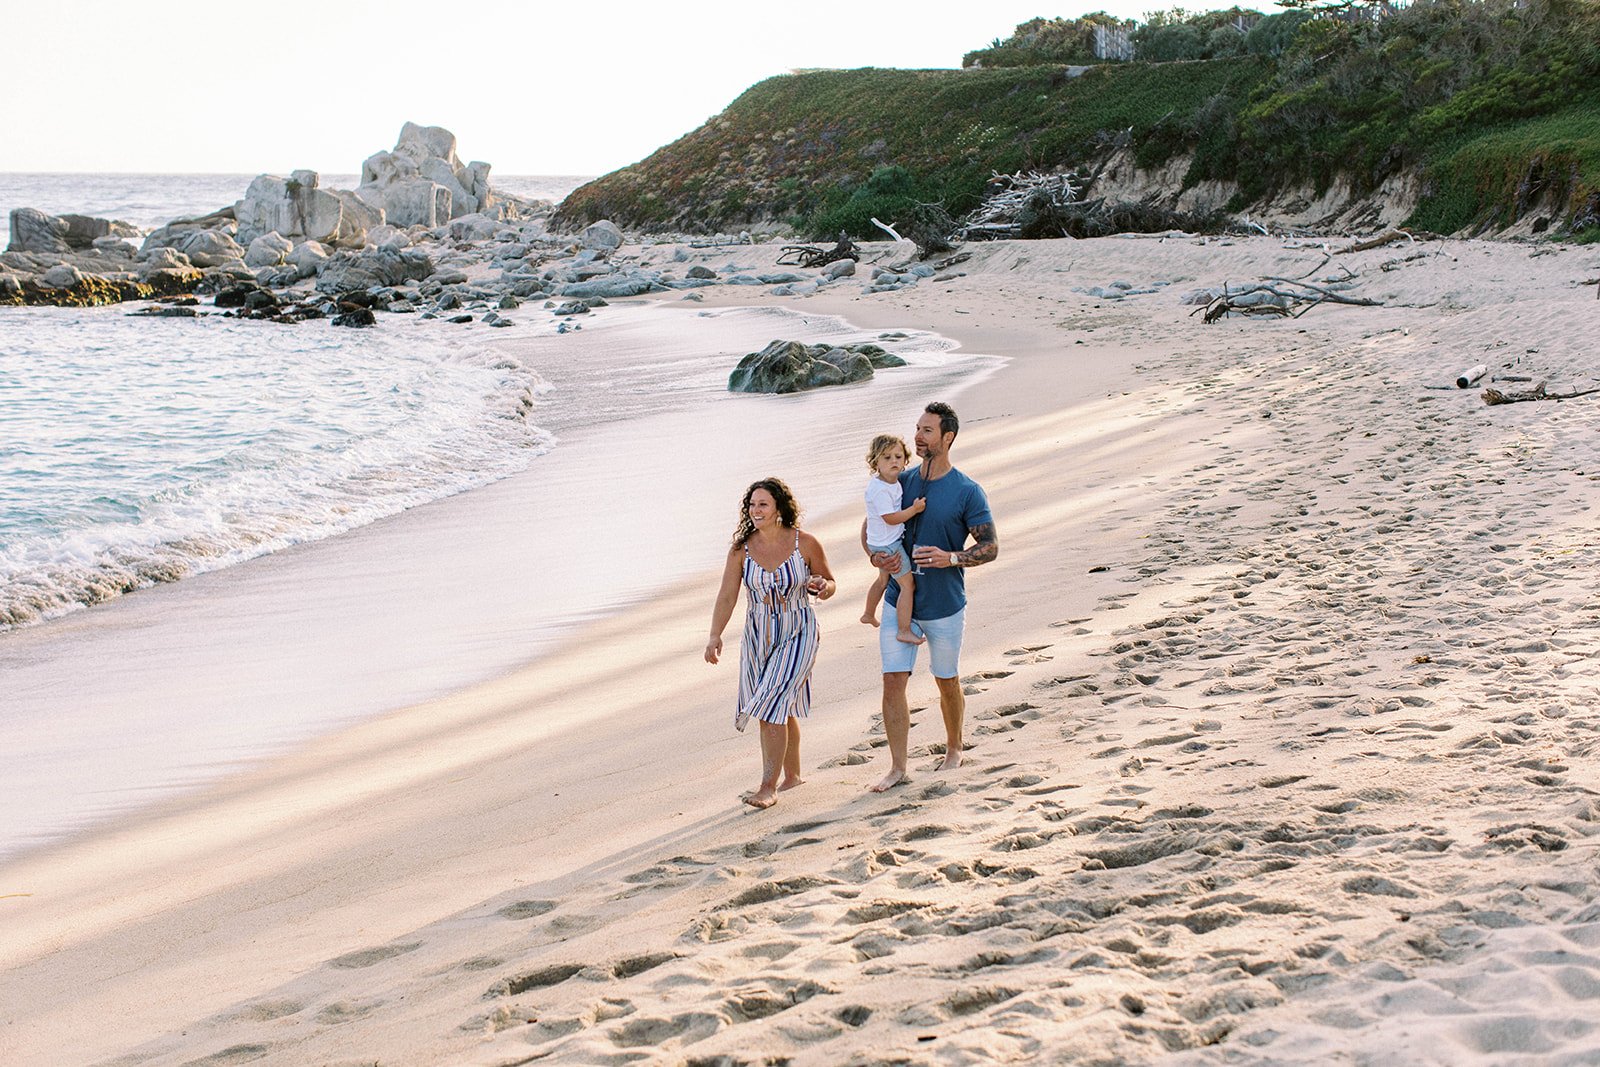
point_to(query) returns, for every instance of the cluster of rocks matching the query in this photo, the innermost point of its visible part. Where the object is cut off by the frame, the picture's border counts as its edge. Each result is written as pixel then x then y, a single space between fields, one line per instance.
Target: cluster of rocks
pixel 417 205
pixel 792 366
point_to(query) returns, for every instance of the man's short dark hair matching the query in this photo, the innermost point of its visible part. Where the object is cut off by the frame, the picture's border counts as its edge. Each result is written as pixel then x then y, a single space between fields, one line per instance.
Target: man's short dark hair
pixel 948 423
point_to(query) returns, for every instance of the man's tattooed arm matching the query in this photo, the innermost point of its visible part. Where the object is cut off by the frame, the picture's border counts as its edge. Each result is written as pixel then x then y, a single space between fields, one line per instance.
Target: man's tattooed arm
pixel 986 549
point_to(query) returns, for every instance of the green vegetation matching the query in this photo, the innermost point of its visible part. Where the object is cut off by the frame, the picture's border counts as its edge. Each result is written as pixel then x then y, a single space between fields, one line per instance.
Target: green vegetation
pixel 1490 102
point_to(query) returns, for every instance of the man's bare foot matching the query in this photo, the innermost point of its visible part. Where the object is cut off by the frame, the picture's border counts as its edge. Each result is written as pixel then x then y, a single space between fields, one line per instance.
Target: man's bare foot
pixel 870 620
pixel 761 798
pixel 910 638
pixel 790 783
pixel 952 760
pixel 890 780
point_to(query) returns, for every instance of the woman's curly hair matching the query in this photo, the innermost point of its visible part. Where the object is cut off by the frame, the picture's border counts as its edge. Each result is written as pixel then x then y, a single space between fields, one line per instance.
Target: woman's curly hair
pixel 788 509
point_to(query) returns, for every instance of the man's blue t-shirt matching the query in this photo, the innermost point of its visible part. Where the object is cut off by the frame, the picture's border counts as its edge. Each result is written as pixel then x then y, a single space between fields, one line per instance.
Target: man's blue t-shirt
pixel 956 503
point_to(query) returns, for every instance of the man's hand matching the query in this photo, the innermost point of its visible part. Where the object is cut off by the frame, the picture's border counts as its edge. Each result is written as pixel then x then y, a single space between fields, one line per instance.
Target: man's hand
pixel 926 556
pixel 885 561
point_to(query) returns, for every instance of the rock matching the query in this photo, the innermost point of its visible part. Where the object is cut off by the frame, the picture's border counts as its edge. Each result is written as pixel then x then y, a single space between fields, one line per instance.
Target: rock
pixel 165 313
pixel 509 302
pixel 502 322
pixel 840 268
pixel 61 276
pixel 374 267
pixel 573 307
pixel 789 366
pixel 164 259
pixel 234 296
pixel 268 250
pixel 388 236
pixel 702 272
pixel 34 231
pixel 473 228
pixel 296 208
pixel 614 286
pixel 115 246
pixel 459 318
pixel 210 248
pixel 421 182
pixel 602 235
pixel 260 300
pixel 780 278
pixel 356 317
pixel 681 255
pixel 308 258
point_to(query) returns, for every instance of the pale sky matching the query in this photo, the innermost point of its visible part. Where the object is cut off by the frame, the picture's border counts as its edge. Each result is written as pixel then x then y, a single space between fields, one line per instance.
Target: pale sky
pixel 531 88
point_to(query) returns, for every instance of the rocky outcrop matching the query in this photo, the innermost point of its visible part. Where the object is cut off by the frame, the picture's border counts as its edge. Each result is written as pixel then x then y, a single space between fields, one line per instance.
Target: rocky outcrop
pixel 268 250
pixel 36 232
pixel 421 182
pixel 376 267
pixel 790 366
pixel 296 207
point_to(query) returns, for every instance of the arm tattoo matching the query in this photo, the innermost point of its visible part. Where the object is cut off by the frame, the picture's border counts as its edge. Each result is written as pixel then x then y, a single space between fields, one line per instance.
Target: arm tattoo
pixel 986 548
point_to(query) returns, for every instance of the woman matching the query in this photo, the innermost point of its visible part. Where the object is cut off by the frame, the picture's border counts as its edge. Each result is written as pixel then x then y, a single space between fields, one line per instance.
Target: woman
pixel 778 565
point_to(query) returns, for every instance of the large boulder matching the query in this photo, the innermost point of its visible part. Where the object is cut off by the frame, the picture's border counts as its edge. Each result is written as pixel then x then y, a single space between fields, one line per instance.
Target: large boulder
pixel 399 181
pixel 411 202
pixel 616 285
pixel 790 366
pixel 268 250
pixel 601 236
pixel 297 208
pixel 34 231
pixel 210 248
pixel 60 276
pixel 376 266
pixel 164 259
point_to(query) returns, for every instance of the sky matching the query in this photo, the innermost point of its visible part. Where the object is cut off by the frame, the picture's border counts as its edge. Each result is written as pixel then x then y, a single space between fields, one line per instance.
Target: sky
pixel 531 88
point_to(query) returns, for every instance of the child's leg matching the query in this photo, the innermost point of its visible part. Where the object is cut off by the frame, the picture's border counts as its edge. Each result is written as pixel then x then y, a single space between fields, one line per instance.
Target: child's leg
pixel 875 594
pixel 908 589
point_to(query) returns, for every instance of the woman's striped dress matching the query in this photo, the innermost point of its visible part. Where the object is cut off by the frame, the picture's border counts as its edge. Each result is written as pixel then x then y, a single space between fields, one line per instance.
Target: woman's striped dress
pixel 780 641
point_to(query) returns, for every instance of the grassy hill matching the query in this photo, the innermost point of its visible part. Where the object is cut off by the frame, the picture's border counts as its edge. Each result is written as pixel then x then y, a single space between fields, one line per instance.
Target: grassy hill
pixel 1494 104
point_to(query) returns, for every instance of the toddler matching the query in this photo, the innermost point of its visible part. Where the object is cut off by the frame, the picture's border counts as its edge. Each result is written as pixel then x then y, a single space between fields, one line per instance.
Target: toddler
pixel 887 457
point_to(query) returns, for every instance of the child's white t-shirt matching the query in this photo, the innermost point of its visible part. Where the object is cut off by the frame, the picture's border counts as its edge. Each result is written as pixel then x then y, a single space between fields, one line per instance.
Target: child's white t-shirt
pixel 882 499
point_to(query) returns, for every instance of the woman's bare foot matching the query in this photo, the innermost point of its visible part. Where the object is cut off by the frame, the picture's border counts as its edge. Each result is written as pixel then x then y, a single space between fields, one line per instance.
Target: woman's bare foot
pixel 870 619
pixel 761 798
pixel 890 780
pixel 952 760
pixel 790 783
pixel 910 638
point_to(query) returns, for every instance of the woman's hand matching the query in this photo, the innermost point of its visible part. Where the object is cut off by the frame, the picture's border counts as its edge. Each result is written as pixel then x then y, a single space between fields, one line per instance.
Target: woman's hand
pixel 820 587
pixel 713 649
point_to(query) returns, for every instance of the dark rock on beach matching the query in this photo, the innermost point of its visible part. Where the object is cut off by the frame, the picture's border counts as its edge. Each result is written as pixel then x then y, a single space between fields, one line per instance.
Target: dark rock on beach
pixel 356 317
pixel 790 366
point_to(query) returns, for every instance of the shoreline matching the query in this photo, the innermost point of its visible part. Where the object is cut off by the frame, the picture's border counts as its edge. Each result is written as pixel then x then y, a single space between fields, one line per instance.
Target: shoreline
pixel 310 638
pixel 1251 771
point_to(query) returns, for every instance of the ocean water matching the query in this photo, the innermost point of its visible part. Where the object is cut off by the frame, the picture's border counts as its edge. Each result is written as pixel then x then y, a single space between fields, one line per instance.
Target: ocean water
pixel 136 452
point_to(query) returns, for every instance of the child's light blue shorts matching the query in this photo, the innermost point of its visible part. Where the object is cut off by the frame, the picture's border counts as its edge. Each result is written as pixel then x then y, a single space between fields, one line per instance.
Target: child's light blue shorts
pixel 896 549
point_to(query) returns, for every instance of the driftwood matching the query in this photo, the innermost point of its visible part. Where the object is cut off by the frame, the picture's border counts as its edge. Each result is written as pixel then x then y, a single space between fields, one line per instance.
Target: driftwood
pixel 1000 214
pixel 1378 242
pixel 1538 392
pixel 812 256
pixel 1282 297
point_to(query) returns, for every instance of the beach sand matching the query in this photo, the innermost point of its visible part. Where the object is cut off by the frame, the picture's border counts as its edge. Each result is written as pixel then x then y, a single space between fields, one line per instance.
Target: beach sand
pixel 1282 728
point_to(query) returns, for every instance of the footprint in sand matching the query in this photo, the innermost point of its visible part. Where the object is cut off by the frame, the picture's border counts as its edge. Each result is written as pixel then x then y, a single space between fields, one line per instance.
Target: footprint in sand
pixel 368 956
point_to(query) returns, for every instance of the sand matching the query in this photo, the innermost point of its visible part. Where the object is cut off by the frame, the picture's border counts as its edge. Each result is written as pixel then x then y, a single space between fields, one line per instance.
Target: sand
pixel 1282 725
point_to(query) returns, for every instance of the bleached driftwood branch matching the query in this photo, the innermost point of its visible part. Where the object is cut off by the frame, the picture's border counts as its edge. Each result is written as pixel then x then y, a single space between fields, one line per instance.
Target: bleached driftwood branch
pixel 999 216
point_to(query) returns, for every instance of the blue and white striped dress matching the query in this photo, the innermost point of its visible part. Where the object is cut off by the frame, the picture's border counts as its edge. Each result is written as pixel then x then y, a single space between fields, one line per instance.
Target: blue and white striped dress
pixel 780 641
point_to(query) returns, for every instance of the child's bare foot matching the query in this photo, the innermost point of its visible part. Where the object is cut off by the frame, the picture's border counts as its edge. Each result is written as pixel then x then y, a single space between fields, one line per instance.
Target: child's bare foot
pixel 790 783
pixel 870 619
pixel 761 798
pixel 890 780
pixel 910 638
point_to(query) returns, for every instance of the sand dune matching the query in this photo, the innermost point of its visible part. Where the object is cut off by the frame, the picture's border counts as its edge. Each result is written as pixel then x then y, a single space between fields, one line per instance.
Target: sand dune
pixel 1283 738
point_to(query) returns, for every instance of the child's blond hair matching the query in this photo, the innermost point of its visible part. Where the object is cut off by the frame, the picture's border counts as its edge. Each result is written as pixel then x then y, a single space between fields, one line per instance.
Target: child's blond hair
pixel 881 444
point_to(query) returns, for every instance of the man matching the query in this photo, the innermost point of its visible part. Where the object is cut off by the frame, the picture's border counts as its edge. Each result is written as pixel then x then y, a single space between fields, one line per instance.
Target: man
pixel 956 508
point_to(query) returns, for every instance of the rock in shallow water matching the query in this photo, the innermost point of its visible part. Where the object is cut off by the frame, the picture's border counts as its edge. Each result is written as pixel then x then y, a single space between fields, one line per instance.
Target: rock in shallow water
pixel 790 366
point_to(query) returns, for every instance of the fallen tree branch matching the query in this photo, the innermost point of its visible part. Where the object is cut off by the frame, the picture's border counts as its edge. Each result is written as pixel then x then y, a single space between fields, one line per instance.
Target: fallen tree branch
pixel 1378 242
pixel 1495 396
